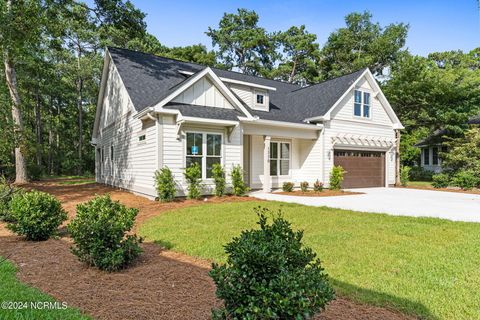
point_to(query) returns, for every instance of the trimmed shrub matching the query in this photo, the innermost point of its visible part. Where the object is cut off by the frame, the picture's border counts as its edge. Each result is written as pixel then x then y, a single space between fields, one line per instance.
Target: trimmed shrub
pixel 219 179
pixel 420 174
pixel 287 186
pixel 404 175
pixel 239 187
pixel 99 233
pixel 304 186
pixel 318 186
pixel 193 174
pixel 336 177
pixel 440 180
pixel 269 274
pixel 165 185
pixel 465 179
pixel 36 215
pixel 7 191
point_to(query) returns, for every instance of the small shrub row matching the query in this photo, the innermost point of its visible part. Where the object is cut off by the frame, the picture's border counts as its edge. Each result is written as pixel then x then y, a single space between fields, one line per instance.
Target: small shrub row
pixel 464 179
pixel 99 229
pixel 317 186
pixel 166 187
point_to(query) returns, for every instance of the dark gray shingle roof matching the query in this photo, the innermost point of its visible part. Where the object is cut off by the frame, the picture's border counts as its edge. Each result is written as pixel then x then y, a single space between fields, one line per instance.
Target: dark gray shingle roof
pixel 149 79
pixel 189 110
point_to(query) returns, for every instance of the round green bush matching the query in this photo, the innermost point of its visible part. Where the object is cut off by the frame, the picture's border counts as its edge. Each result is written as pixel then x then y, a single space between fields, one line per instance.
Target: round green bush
pixel 100 234
pixel 465 179
pixel 36 215
pixel 287 186
pixel 440 180
pixel 269 274
pixel 336 177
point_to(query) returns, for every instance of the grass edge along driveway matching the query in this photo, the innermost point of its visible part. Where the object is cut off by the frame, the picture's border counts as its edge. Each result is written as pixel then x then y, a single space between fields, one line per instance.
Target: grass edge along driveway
pixel 12 290
pixel 420 266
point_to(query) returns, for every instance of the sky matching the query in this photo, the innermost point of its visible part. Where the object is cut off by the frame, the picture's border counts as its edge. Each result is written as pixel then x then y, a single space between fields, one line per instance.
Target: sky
pixel 438 25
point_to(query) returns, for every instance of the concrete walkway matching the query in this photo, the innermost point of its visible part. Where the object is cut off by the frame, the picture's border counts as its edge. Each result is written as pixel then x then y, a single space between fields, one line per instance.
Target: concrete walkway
pixel 396 201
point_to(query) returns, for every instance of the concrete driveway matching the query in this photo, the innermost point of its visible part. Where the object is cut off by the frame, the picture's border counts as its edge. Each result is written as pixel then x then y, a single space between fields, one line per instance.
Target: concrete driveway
pixel 396 201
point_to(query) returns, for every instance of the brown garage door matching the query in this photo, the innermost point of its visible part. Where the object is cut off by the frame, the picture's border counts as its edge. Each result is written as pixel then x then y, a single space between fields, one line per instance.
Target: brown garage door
pixel 363 168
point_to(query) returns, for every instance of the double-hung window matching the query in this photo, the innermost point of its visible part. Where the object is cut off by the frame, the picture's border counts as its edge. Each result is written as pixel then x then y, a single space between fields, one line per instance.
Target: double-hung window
pixel 204 149
pixel 435 156
pixel 279 158
pixel 361 106
pixel 426 156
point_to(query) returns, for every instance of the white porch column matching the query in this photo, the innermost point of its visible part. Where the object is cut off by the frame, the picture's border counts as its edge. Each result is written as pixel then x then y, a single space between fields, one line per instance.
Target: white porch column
pixel 267 180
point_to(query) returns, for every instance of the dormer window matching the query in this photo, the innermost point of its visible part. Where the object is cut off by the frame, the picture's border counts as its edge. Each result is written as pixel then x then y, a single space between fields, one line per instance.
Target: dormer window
pixel 361 106
pixel 260 99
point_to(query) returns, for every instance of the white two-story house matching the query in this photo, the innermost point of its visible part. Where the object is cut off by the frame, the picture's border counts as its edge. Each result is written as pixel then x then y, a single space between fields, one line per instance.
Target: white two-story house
pixel 155 112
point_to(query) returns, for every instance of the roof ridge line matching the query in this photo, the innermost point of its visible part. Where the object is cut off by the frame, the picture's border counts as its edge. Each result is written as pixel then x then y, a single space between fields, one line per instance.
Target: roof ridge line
pixel 325 81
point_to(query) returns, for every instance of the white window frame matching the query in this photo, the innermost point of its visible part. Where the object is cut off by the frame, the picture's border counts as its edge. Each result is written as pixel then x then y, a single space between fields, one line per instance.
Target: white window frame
pixel 142 133
pixel 204 155
pixel 362 104
pixel 279 153
pixel 260 106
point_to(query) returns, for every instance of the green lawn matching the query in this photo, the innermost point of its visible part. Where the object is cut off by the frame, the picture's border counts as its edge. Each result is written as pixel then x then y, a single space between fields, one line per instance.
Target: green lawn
pixel 12 290
pixel 423 184
pixel 421 266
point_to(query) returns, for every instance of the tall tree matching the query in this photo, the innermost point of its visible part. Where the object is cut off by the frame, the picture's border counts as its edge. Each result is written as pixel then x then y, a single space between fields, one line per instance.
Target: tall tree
pixel 19 28
pixel 362 43
pixel 301 55
pixel 242 44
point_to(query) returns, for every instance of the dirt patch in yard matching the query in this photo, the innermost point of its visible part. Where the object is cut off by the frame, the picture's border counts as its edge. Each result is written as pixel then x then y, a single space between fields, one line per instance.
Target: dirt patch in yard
pixel 324 193
pixel 161 285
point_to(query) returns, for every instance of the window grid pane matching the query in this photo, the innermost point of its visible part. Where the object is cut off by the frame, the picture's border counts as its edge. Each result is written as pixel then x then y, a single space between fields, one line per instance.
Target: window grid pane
pixel 284 166
pixel 214 144
pixel 426 156
pixel 194 143
pixel 366 111
pixel 357 110
pixel 273 167
pixel 210 162
pixel 285 151
pixel 358 96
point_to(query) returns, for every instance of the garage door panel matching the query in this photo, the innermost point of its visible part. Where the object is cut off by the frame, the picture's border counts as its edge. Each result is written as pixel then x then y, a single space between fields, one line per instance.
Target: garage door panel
pixel 363 168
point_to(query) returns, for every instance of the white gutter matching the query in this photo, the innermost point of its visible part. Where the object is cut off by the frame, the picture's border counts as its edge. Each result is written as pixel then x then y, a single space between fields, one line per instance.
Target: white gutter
pixel 319 118
pixel 283 124
pixel 210 121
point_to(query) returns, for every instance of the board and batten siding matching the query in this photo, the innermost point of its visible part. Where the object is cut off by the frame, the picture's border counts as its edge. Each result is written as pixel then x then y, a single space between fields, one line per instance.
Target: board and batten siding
pixel 203 93
pixel 134 161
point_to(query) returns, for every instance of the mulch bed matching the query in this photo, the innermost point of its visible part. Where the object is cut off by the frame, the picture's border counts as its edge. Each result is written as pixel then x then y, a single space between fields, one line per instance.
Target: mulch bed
pixel 324 193
pixel 161 285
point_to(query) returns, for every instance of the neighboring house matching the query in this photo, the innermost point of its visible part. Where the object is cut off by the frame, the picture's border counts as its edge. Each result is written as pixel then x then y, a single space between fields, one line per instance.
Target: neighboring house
pixel 432 147
pixel 154 112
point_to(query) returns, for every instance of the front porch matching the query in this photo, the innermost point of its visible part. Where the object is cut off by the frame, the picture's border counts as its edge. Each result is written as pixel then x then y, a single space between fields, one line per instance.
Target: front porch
pixel 273 155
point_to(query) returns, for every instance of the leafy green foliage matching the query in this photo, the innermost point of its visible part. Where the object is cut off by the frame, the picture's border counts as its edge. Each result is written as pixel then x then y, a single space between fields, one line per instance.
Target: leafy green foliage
pixel 301 55
pixel 238 185
pixel 362 43
pixel 404 175
pixel 304 186
pixel 269 274
pixel 440 180
pixel 287 186
pixel 418 173
pixel 336 177
pixel 318 186
pixel 36 215
pixel 219 179
pixel 193 175
pixel 466 179
pixel 7 191
pixel 100 234
pixel 243 44
pixel 165 184
pixel 464 153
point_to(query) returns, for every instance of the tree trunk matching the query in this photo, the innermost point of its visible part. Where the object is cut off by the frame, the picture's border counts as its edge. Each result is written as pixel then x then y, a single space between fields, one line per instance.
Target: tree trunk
pixel 397 159
pixel 38 128
pixel 80 113
pixel 50 138
pixel 294 70
pixel 11 77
